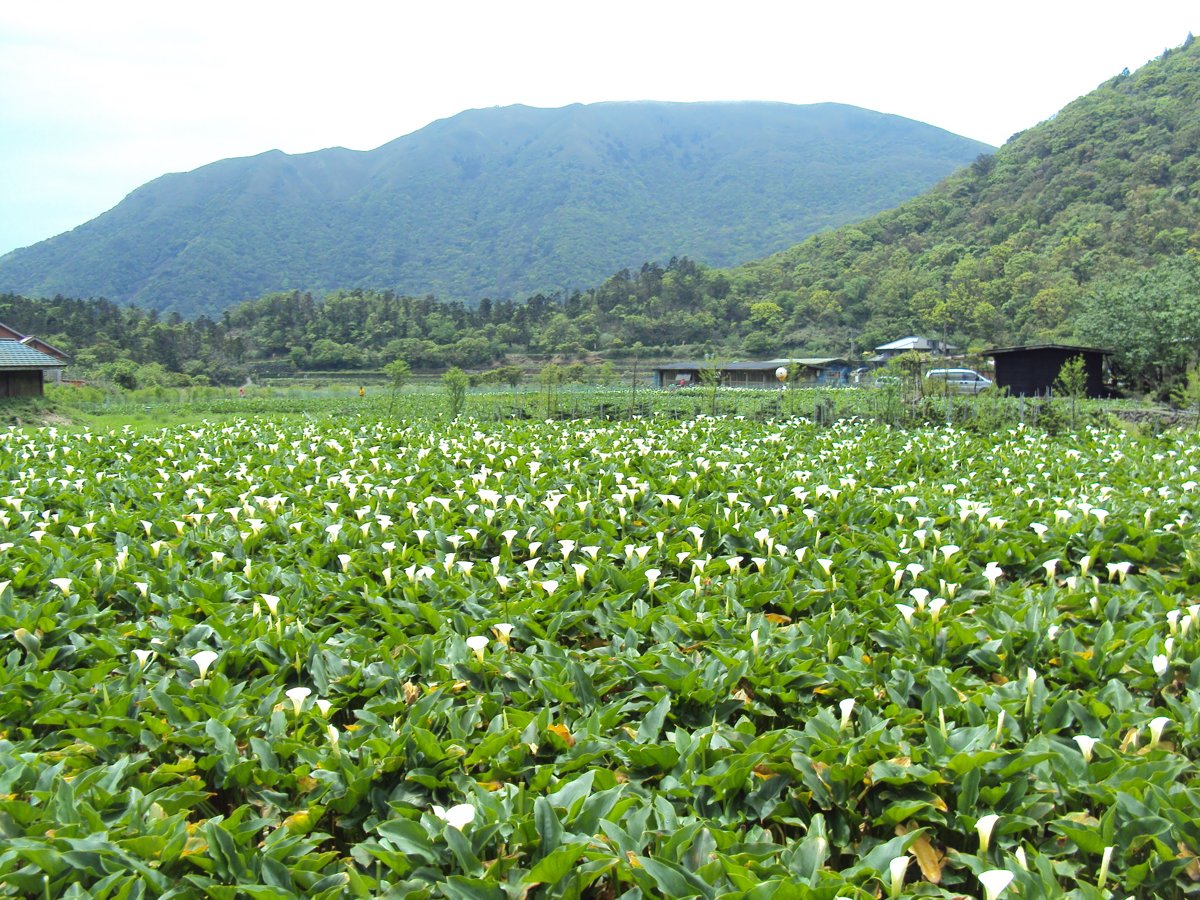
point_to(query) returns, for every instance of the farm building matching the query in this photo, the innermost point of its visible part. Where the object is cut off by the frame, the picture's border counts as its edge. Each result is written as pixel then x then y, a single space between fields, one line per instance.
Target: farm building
pixel 757 374
pixel 50 350
pixel 46 347
pixel 1031 371
pixel 884 352
pixel 23 369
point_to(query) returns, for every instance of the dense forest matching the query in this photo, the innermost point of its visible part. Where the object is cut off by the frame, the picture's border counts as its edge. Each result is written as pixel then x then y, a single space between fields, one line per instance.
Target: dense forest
pixel 1083 228
pixel 498 202
pixel 657 308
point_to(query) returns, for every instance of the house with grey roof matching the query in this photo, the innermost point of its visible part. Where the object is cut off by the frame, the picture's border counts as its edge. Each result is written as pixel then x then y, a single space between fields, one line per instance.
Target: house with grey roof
pixel 884 352
pixel 23 369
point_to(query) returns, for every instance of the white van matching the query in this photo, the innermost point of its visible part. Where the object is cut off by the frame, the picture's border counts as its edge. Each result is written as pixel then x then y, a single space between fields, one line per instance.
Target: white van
pixel 955 381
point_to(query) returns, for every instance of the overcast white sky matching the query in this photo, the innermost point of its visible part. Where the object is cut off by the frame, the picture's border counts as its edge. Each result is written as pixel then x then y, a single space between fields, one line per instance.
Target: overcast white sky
pixel 99 98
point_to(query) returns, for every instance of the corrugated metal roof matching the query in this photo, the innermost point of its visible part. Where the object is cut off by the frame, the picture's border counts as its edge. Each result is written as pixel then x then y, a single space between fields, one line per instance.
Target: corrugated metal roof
pixel 45 347
pixel 15 355
pixel 1070 348
pixel 912 342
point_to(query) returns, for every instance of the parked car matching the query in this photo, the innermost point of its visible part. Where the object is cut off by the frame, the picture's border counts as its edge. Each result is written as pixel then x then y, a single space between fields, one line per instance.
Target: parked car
pixel 955 381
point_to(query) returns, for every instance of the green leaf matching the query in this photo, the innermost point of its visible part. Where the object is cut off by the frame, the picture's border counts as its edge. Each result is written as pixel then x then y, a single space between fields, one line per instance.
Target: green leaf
pixel 459 887
pixel 571 795
pixel 556 866
pixel 652 722
pixel 409 837
pixel 1086 838
pixel 549 828
pixel 673 880
pixel 223 740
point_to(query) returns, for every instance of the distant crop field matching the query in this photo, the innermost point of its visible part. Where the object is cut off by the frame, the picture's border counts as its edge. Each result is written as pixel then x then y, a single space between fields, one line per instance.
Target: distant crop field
pixel 343 654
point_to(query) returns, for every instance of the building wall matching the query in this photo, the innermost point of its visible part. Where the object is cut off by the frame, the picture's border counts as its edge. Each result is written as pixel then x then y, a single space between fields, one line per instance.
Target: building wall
pixel 21 383
pixel 749 378
pixel 1032 373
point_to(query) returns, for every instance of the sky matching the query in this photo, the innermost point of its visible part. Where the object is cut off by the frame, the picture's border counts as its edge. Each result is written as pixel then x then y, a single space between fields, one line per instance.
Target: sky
pixel 98 98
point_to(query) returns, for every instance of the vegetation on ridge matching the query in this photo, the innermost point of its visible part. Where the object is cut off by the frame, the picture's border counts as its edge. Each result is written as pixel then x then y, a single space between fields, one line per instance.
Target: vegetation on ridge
pixel 1083 228
pixel 498 202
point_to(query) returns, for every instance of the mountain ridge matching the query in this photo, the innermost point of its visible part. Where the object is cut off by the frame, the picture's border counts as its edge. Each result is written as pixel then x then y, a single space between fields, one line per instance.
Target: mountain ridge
pixel 499 201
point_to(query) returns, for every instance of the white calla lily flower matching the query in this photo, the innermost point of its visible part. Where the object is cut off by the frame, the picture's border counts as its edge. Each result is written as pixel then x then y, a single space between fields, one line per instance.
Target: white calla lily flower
pixel 204 660
pixel 459 816
pixel 297 695
pixel 994 882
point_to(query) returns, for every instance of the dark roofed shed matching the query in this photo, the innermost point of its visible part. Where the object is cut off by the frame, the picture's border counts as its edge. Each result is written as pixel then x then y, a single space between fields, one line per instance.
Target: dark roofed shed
pixel 1031 371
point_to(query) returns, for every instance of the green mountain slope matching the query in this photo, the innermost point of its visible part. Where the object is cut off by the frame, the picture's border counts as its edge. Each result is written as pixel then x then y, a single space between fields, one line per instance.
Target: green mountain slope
pixel 496 202
pixel 1018 245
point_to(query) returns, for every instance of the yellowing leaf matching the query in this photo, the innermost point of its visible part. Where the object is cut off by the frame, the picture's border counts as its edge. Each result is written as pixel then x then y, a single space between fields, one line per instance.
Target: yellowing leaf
pixel 303 822
pixel 563 732
pixel 929 858
pixel 1193 866
pixel 193 846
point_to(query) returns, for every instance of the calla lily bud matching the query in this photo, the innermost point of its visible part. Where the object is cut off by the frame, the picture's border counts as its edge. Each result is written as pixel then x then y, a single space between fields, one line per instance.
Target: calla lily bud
pixel 1157 726
pixel 847 707
pixel 897 869
pixel 984 828
pixel 1105 861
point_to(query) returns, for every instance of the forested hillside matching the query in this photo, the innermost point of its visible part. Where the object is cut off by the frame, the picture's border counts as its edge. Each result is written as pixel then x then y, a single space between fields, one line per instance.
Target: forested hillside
pixel 1021 245
pixel 1083 228
pixel 496 202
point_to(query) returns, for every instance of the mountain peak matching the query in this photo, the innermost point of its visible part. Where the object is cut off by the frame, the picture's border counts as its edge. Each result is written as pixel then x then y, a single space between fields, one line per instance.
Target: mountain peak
pixel 497 201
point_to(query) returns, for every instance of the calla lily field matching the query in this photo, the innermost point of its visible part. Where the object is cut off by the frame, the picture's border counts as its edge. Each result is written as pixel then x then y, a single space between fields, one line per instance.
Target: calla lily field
pixel 340 656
